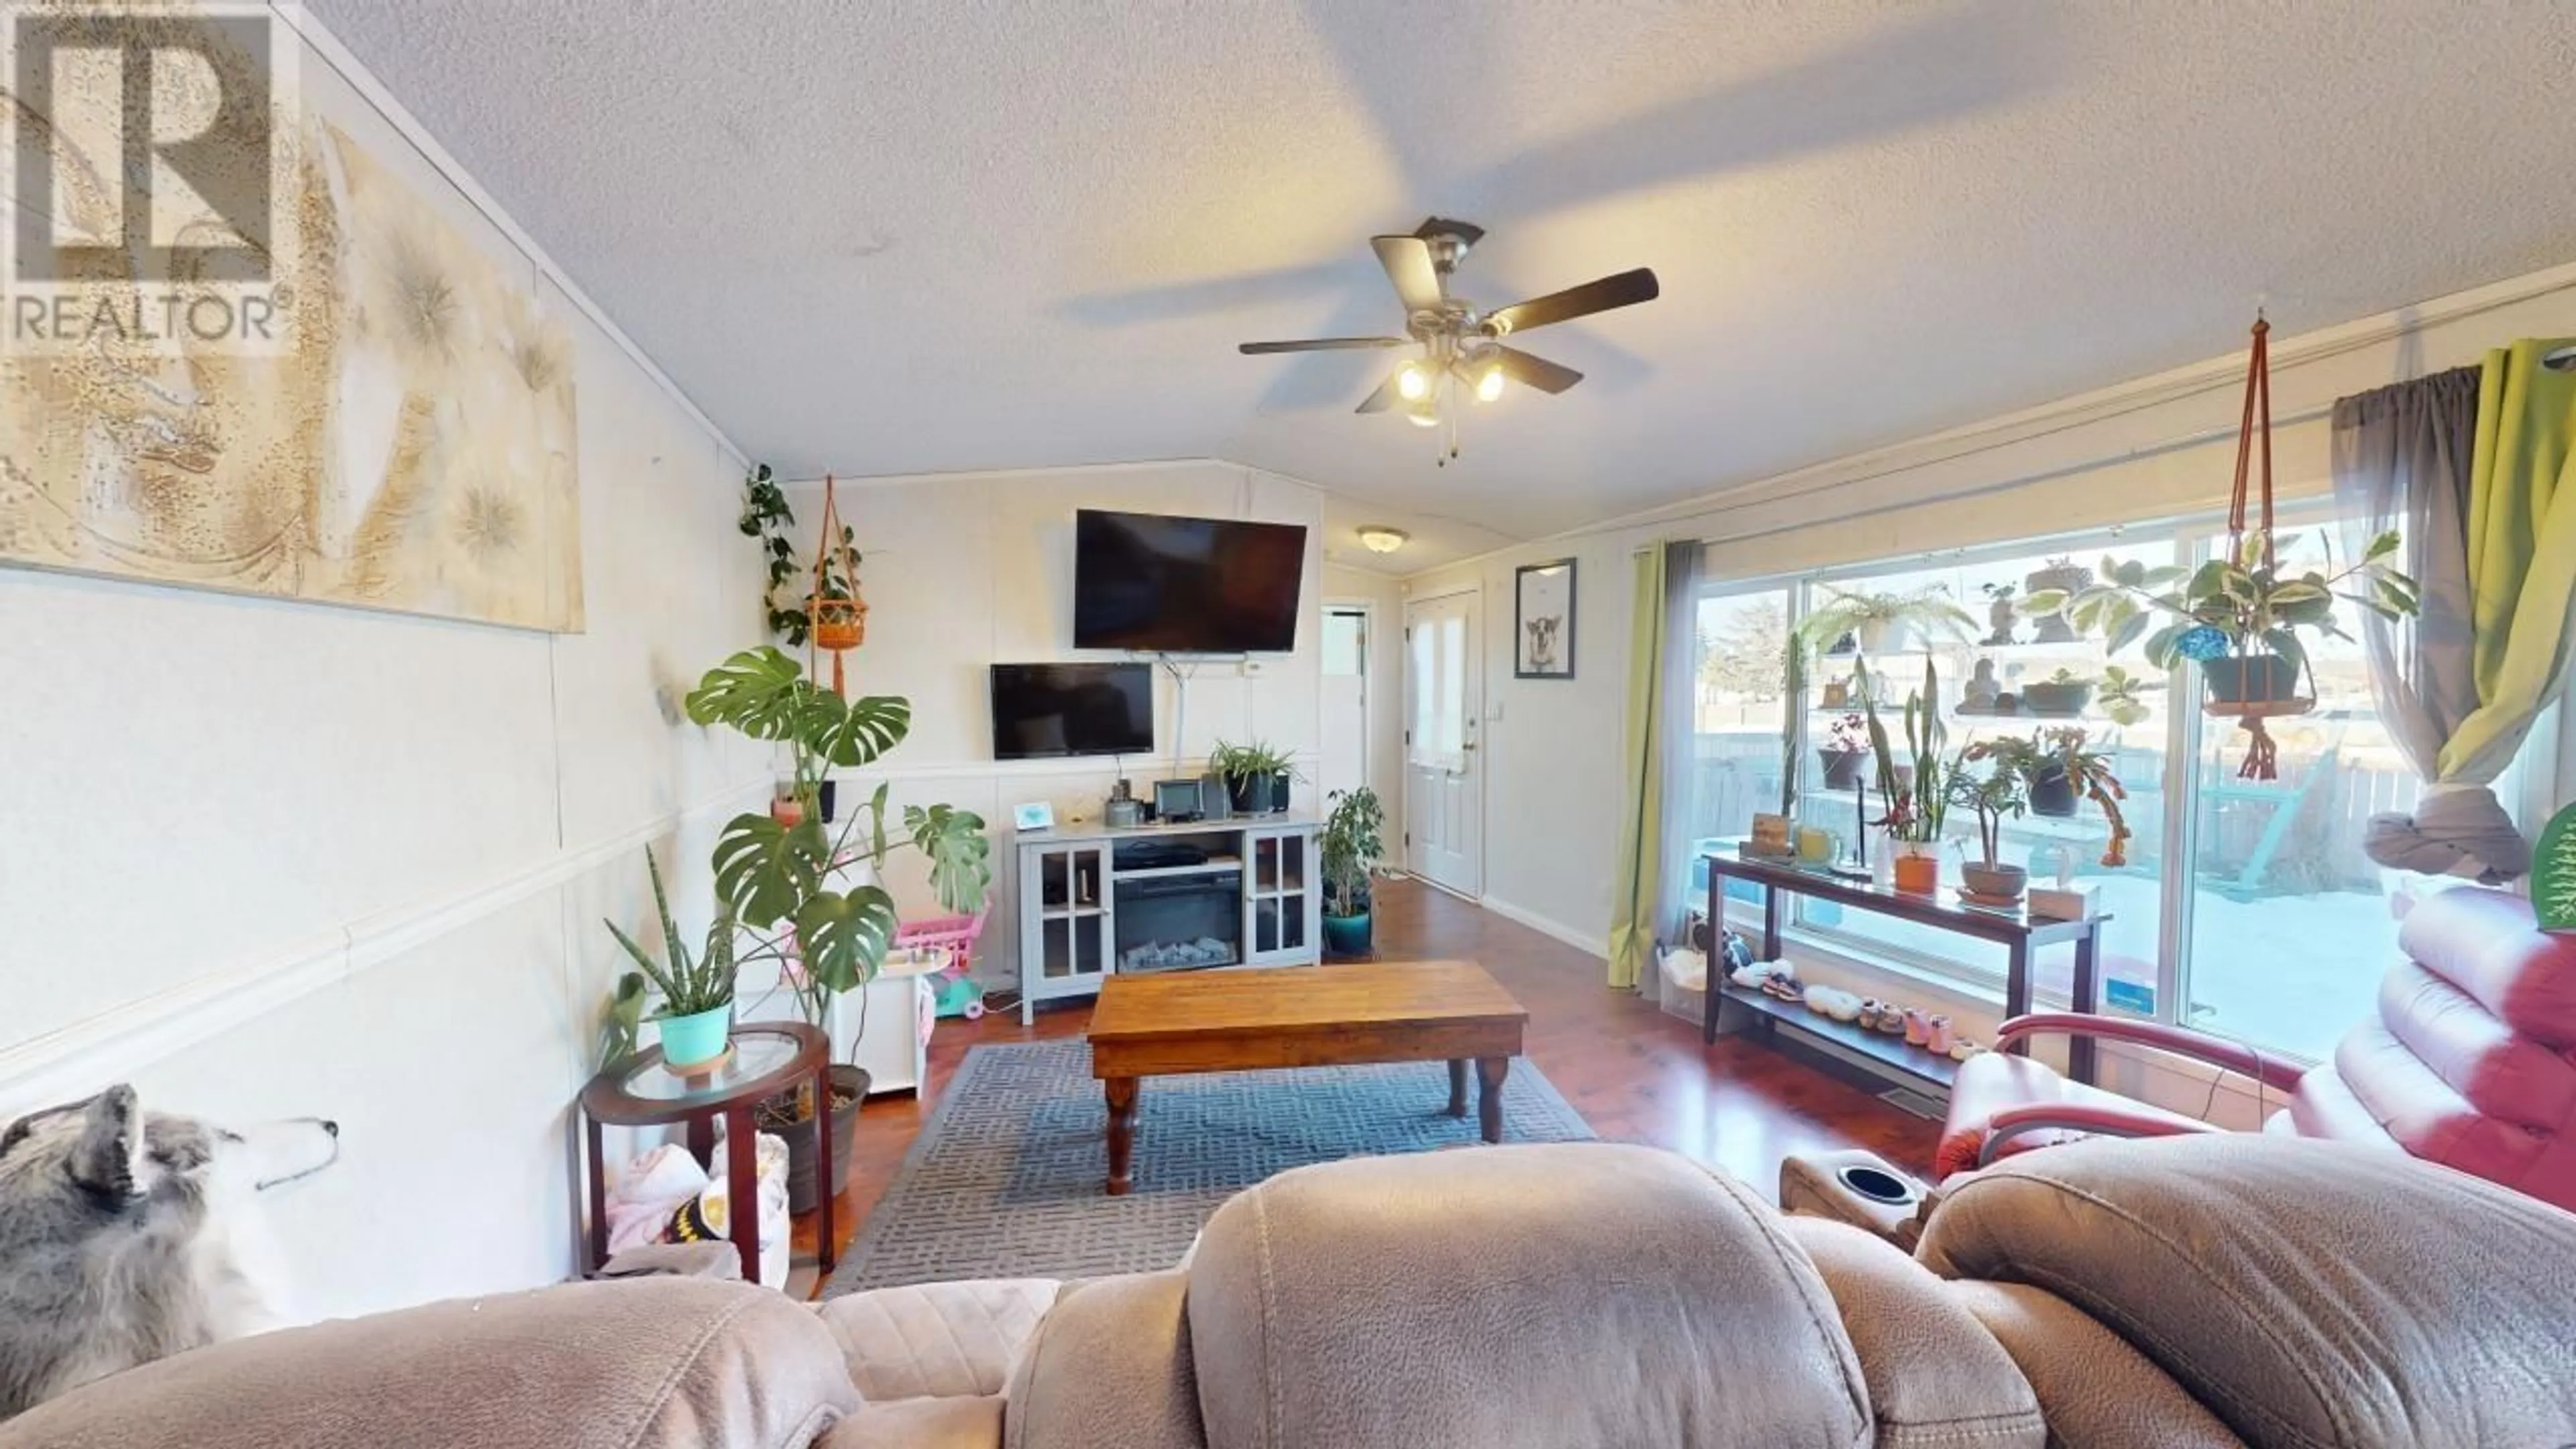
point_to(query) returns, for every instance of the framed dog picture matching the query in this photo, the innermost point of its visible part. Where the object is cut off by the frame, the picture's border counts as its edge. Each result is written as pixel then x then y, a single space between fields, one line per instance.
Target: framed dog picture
pixel 1543 620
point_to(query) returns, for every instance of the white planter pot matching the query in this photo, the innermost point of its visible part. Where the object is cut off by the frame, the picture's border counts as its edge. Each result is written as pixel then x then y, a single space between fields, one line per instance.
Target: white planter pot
pixel 1877 637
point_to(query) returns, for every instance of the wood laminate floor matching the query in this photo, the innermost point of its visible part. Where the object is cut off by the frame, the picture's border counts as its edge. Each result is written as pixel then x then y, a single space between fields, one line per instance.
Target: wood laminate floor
pixel 1635 1073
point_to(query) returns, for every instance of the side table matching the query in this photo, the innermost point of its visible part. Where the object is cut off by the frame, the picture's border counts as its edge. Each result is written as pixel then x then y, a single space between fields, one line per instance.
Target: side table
pixel 768 1057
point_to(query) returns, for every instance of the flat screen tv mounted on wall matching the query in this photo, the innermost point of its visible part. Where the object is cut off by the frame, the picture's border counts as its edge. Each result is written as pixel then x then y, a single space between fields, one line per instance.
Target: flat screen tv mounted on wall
pixel 1041 710
pixel 1165 584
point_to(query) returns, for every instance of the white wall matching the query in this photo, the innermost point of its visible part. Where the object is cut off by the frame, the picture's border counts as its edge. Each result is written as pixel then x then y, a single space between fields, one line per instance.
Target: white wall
pixel 1386 702
pixel 267 858
pixel 962 571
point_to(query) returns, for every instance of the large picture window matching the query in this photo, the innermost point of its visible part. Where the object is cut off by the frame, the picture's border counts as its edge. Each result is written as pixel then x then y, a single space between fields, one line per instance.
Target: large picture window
pixel 2244 908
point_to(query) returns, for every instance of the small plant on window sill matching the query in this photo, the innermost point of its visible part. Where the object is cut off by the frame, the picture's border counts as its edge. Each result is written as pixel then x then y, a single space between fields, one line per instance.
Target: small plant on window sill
pixel 2054 766
pixel 1913 799
pixel 1878 621
pixel 1846 746
pixel 2117 695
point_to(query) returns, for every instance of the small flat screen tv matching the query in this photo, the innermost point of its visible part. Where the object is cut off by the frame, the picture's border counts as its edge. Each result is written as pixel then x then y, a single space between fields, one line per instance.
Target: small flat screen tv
pixel 1166 584
pixel 1041 710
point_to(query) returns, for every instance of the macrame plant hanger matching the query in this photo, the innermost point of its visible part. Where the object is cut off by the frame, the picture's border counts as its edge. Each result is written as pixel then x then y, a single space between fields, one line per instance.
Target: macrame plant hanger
pixel 2253 436
pixel 839 624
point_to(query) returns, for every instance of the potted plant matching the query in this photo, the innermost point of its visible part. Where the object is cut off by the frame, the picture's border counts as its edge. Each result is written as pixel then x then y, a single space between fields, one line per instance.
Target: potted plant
pixel 1845 749
pixel 2061 575
pixel 696 1017
pixel 1993 797
pixel 839 613
pixel 766 516
pixel 1880 621
pixel 2237 618
pixel 2001 612
pixel 2058 771
pixel 776 878
pixel 2117 694
pixel 1913 799
pixel 1256 776
pixel 2062 695
pixel 1350 850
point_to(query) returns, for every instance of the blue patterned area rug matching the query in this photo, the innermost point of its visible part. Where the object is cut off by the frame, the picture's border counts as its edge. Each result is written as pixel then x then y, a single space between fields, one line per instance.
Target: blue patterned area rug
pixel 1005 1179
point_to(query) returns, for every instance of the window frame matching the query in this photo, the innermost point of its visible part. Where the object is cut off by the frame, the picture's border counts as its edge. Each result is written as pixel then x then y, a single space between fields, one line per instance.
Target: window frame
pixel 2185 737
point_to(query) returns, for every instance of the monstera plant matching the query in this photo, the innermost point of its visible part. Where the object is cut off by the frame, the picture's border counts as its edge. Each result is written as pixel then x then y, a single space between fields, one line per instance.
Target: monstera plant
pixel 776 878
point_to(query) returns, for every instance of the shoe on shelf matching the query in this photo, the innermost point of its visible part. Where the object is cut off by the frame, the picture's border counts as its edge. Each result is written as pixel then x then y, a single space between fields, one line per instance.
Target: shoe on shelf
pixel 1834 1002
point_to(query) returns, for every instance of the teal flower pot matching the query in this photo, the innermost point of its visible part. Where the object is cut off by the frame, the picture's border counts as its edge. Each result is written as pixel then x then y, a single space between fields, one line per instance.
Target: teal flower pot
pixel 1347 935
pixel 696 1037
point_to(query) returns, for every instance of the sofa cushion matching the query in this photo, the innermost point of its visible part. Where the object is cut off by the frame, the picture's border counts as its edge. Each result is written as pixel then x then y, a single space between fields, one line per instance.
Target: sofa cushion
pixel 2489 944
pixel 2498 1072
pixel 2096 1390
pixel 2309 1293
pixel 936 1340
pixel 636 1365
pixel 958 1423
pixel 1542 1295
pixel 1936 1379
pixel 1108 1368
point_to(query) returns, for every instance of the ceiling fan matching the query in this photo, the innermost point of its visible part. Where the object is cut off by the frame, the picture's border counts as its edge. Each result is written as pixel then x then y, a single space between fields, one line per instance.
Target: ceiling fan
pixel 1462 349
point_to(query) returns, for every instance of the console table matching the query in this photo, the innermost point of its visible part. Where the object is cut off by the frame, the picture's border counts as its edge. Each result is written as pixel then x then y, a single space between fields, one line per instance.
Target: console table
pixel 1086 914
pixel 2018 931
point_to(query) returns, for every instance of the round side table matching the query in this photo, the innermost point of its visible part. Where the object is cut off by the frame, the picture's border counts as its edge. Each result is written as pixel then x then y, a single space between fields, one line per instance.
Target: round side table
pixel 768 1057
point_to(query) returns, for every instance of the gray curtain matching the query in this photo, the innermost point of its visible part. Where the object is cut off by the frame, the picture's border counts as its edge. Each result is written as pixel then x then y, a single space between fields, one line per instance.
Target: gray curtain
pixel 1682 558
pixel 2401 459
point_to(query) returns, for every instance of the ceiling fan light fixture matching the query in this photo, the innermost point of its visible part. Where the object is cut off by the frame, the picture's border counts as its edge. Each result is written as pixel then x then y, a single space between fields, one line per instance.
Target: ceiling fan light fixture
pixel 1378 538
pixel 1489 379
pixel 1413 382
pixel 1423 414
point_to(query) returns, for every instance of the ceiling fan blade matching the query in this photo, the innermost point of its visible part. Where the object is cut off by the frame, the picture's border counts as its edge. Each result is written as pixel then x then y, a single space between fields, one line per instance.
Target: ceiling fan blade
pixel 1382 399
pixel 1537 372
pixel 1407 260
pixel 1319 344
pixel 1624 290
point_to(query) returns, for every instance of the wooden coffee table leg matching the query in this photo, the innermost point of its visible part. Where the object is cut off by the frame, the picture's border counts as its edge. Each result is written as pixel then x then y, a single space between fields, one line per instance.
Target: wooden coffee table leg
pixel 1489 1096
pixel 1121 1092
pixel 1457 1086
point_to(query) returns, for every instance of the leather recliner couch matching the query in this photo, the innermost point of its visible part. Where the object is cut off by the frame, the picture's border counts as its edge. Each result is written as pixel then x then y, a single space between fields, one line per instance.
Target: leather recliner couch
pixel 2177 1293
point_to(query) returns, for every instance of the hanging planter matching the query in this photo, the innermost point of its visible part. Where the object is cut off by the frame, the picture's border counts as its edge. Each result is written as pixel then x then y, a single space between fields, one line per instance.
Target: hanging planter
pixel 839 624
pixel 2239 615
pixel 837 609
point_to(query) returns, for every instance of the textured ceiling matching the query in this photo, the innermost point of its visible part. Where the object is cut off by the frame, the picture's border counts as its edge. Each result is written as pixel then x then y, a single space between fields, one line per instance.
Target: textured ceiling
pixel 916 237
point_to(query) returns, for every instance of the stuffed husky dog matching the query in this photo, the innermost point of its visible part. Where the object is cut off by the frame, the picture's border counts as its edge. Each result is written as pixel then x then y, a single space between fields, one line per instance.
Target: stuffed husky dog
pixel 127 1236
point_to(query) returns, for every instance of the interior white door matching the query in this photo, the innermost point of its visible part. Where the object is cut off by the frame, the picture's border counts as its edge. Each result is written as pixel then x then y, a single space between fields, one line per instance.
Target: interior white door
pixel 1444 689
pixel 1344 747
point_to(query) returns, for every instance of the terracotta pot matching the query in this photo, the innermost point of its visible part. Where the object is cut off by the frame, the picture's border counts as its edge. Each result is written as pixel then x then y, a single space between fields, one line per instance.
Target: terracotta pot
pixel 1918 874
pixel 839 624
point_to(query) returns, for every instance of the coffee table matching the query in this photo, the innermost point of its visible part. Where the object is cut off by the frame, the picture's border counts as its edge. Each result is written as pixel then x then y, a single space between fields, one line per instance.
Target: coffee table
pixel 1303 1016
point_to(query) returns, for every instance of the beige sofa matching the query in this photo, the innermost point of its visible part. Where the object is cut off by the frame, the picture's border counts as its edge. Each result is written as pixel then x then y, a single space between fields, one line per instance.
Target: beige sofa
pixel 2189 1292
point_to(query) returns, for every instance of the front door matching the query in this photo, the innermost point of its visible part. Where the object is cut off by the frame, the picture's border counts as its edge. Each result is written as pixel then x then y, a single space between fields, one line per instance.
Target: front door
pixel 1444 688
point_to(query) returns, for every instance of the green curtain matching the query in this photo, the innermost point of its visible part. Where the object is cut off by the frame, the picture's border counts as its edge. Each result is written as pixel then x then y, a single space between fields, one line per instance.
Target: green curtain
pixel 1640 877
pixel 2522 551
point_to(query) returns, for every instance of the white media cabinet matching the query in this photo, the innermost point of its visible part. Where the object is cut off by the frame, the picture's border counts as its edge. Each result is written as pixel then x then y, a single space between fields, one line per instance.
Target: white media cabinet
pixel 1086 916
